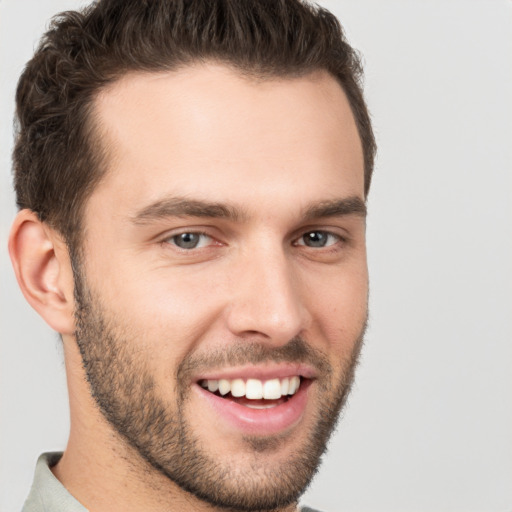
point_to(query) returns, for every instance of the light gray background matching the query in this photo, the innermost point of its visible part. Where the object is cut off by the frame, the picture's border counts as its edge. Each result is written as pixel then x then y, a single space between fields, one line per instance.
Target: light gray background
pixel 429 424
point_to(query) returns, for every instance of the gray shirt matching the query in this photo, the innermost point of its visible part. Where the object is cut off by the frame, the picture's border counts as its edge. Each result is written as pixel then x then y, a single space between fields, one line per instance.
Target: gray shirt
pixel 49 495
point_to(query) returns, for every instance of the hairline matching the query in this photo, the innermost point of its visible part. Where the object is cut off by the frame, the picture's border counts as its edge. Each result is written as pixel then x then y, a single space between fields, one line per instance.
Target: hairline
pixel 99 144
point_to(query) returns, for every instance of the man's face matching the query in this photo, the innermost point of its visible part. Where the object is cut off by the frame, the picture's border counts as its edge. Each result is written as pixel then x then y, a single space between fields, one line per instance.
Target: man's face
pixel 223 264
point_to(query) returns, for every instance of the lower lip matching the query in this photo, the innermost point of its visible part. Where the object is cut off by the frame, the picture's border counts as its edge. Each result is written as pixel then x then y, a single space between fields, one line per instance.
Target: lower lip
pixel 261 422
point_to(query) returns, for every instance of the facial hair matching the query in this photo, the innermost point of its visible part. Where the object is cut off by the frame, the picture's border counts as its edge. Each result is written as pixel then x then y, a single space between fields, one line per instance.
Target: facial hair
pixel 125 391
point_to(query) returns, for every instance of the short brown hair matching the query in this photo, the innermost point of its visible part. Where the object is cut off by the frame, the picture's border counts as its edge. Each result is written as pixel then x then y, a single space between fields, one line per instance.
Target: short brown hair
pixel 57 156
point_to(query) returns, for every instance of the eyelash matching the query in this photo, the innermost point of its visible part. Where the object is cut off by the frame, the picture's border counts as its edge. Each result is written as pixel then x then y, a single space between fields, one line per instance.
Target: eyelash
pixel 338 239
pixel 172 239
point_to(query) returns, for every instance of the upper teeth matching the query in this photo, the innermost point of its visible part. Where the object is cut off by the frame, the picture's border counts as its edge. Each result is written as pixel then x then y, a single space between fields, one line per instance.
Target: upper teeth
pixel 254 389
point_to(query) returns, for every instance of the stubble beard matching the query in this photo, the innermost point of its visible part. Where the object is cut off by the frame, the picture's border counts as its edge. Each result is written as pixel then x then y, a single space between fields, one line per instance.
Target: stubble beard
pixel 126 393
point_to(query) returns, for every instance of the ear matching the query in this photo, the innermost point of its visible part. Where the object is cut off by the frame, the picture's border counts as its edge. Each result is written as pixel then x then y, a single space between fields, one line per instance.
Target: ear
pixel 43 269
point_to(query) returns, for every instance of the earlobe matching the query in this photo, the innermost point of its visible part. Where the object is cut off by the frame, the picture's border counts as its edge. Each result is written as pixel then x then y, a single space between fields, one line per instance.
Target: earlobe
pixel 41 263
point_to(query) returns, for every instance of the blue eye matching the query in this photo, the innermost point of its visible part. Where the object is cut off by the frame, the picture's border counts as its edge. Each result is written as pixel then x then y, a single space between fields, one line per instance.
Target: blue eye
pixel 190 240
pixel 318 239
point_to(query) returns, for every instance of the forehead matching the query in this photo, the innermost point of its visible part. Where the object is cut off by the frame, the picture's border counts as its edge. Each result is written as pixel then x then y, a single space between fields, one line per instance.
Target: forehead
pixel 208 132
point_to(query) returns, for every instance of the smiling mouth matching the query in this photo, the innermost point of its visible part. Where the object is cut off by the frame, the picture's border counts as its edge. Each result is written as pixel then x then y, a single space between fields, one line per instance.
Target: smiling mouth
pixel 255 393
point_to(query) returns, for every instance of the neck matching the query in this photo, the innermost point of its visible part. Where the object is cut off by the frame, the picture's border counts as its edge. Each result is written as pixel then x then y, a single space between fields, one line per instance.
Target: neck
pixel 108 484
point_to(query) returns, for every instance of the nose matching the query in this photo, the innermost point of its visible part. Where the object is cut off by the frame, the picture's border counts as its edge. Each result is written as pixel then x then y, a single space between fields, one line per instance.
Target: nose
pixel 266 299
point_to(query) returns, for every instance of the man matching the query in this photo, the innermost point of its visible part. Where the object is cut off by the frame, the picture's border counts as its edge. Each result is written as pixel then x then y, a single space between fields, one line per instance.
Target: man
pixel 192 178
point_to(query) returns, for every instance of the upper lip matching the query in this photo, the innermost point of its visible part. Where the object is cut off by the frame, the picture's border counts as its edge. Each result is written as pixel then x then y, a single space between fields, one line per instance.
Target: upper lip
pixel 261 372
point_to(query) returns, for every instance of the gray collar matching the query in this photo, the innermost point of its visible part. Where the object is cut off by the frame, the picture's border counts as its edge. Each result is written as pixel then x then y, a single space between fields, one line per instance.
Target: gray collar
pixel 47 493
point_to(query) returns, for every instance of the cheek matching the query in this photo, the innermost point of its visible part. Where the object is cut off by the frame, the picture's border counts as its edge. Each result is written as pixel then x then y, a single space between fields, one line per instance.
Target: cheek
pixel 167 311
pixel 340 307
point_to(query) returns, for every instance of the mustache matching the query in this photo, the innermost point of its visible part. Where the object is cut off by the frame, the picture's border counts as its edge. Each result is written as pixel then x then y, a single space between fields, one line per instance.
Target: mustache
pixel 297 350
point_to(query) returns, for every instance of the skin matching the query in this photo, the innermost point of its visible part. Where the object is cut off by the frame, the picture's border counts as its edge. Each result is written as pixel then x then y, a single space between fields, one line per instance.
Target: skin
pixel 271 151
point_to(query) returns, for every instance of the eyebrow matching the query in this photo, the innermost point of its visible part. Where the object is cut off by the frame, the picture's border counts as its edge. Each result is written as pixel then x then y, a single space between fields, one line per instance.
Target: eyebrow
pixel 336 208
pixel 183 207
